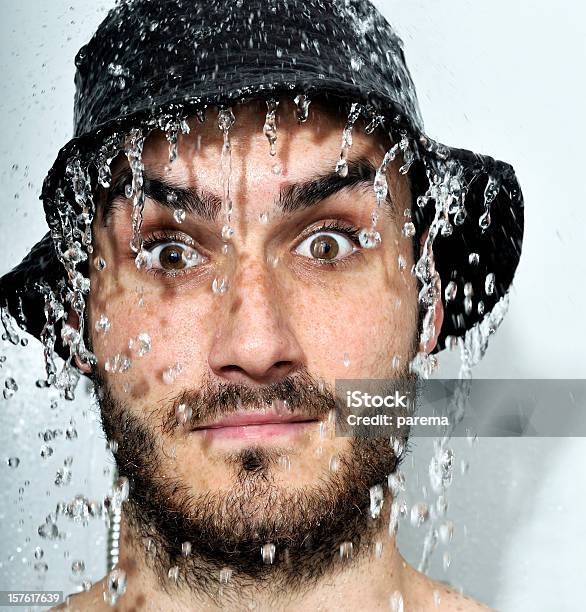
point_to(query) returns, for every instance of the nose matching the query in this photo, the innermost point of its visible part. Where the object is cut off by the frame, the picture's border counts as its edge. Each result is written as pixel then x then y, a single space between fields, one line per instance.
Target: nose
pixel 253 340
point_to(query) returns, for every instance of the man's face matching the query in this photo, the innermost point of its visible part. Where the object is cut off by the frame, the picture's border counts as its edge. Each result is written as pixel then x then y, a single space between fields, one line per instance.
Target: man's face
pixel 305 305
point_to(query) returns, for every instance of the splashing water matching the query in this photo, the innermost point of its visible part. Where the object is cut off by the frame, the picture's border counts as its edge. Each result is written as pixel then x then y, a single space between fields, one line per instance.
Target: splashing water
pixel 342 165
pixel 270 127
pixel 396 602
pixel 115 586
pixel 376 501
pixel 370 239
pixel 172 126
pixel 133 149
pixel 226 120
pixel 490 193
pixel 346 550
pixel 302 108
pixel 267 552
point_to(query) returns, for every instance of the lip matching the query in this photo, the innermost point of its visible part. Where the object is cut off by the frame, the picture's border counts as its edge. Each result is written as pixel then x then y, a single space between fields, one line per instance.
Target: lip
pixel 255 425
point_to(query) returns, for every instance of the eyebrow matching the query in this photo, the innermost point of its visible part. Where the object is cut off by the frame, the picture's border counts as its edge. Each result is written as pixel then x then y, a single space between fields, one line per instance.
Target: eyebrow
pixel 207 206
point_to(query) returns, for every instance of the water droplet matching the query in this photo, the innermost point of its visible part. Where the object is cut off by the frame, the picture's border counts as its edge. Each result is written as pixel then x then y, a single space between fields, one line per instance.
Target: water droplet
pixel 171 373
pixel 446 532
pixel 342 164
pixel 302 103
pixel 10 384
pixel 369 239
pixel 46 451
pixel 179 215
pixel 227 232
pixel 396 602
pixel 183 414
pixel 63 477
pixel 103 324
pixel 484 221
pixel 334 463
pixel 446 560
pixel 468 305
pixel 220 285
pixel 346 550
pixel 186 549
pixel 100 264
pixel 285 462
pixel 378 549
pixel 396 483
pixel 13 462
pixel 141 345
pixel 270 126
pixel 402 262
pixel 128 191
pixel 225 575
pixel 376 501
pixel 263 217
pixel 409 229
pixel 39 552
pixel 41 567
pixel 480 308
pixel 346 360
pixel 441 505
pixel 120 492
pixel 49 530
pixel 151 547
pixel 396 362
pixel 473 259
pixel 451 291
pixel 78 567
pixel 118 364
pixel 115 586
pixel 436 599
pixel 489 284
pixel 419 514
pixel 173 573
pixel 143 259
pixel 267 552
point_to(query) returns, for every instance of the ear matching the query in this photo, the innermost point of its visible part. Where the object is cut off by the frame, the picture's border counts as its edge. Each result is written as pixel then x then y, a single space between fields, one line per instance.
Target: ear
pixel 73 321
pixel 438 309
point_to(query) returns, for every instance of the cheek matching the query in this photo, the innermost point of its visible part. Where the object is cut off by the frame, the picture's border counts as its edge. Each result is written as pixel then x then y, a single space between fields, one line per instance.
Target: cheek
pixel 174 326
pixel 356 332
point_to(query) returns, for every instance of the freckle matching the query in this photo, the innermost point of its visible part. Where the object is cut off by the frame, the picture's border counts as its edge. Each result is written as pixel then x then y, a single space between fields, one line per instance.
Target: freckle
pixel 236 305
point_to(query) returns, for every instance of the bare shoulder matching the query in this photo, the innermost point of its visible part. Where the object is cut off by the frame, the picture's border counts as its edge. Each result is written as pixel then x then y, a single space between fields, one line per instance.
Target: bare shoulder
pixel 451 600
pixel 80 602
pixel 436 596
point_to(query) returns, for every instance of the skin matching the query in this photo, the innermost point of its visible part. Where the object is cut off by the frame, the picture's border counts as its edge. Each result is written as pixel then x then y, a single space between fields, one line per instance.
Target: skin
pixel 284 311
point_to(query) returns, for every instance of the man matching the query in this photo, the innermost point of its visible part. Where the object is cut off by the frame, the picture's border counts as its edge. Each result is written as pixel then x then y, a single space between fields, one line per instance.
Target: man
pixel 240 262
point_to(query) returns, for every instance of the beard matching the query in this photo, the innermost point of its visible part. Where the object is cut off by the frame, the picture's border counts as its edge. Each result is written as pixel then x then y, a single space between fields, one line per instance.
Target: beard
pixel 260 533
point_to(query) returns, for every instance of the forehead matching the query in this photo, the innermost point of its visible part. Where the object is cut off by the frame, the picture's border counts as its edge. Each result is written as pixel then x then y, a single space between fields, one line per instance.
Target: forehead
pixel 300 147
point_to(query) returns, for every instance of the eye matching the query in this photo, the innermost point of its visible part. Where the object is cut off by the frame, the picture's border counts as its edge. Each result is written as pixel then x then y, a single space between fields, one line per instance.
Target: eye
pixel 172 256
pixel 326 246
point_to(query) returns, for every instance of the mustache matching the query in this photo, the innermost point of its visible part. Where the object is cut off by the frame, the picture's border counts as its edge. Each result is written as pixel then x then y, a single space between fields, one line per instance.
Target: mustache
pixel 301 394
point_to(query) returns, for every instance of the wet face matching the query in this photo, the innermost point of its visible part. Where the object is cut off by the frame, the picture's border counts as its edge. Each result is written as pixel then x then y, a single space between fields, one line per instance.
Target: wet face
pixel 224 420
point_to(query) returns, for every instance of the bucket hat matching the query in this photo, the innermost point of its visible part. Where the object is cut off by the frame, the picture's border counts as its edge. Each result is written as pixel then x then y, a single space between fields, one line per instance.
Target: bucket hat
pixel 151 63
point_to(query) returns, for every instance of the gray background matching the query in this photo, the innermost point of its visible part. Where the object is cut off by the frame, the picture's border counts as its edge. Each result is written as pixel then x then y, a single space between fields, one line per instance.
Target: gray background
pixel 503 78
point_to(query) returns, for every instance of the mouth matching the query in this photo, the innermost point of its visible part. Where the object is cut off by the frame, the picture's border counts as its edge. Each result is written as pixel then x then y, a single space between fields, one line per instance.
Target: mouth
pixel 255 425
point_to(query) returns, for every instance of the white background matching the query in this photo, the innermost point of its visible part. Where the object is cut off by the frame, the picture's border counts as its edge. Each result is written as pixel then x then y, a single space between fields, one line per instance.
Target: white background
pixel 505 78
